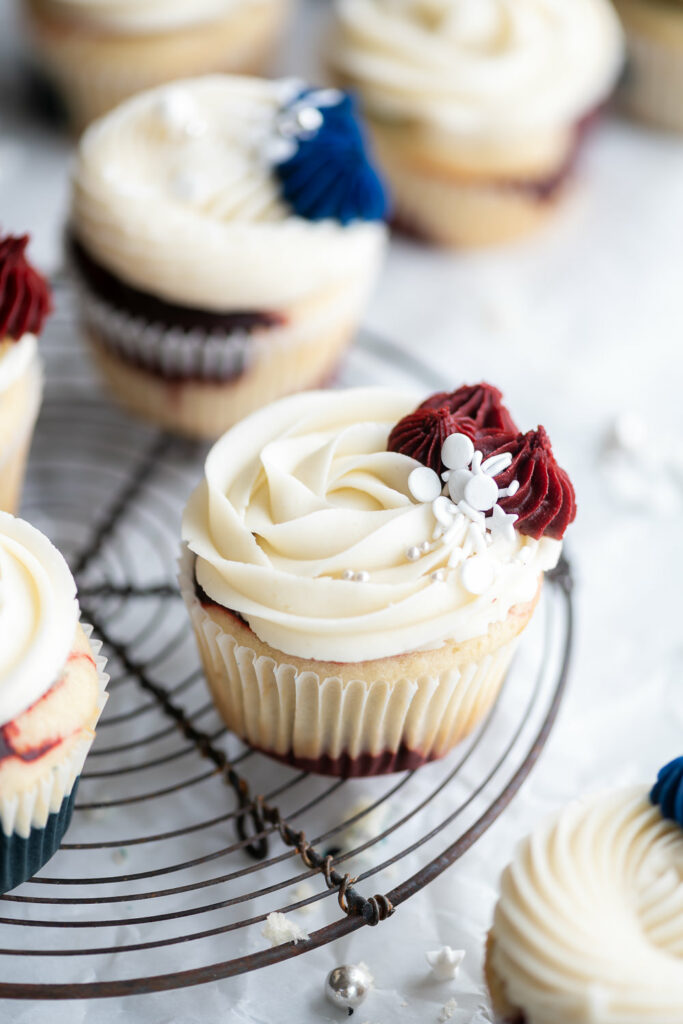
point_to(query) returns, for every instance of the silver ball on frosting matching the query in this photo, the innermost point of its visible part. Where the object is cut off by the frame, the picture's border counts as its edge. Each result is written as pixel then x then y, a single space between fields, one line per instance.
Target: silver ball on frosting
pixel 348 985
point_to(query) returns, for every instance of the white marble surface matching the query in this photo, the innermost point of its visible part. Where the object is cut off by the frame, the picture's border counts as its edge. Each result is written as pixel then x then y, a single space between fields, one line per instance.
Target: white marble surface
pixel 578 326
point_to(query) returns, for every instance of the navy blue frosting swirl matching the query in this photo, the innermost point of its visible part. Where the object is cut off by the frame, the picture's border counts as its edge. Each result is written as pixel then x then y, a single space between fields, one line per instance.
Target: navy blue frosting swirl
pixel 667 791
pixel 330 175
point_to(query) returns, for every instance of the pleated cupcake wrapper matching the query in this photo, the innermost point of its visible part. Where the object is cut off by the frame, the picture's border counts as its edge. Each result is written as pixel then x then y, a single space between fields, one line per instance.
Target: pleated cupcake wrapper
pixel 195 354
pixel 296 713
pixel 653 86
pixel 24 813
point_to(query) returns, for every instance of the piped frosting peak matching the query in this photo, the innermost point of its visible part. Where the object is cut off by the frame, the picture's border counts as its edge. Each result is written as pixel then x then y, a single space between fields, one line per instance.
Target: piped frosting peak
pixel 667 792
pixel 25 298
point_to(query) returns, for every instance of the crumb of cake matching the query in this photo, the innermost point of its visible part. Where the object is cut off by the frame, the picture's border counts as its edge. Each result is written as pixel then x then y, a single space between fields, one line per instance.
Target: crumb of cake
pixel 447 1011
pixel 279 929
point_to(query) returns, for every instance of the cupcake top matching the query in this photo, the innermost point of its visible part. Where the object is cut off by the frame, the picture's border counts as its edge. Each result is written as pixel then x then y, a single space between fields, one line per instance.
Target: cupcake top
pixel 480 68
pixel 38 615
pixel 141 16
pixel 25 302
pixel 589 926
pixel 349 526
pixel 229 194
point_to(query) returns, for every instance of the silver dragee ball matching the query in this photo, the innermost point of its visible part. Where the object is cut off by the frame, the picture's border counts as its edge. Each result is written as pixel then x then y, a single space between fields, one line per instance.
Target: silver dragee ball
pixel 348 985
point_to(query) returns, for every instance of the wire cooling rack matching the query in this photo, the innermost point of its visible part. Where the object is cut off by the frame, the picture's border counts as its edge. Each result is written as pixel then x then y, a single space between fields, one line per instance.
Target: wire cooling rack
pixel 183 840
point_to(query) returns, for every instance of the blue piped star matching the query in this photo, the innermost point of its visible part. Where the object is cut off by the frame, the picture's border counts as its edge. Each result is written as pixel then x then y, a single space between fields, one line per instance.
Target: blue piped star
pixel 327 173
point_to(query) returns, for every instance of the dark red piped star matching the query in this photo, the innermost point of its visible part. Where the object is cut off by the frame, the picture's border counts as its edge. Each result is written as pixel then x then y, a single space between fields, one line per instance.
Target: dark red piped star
pixel 422 433
pixel 482 403
pixel 25 298
pixel 545 503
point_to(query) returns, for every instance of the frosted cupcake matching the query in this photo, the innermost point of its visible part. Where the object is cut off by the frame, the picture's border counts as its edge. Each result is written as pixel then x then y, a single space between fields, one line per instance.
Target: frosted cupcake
pixel 225 233
pixel 652 89
pixel 52 690
pixel 589 925
pixel 477 107
pixel 358 573
pixel 97 54
pixel 24 304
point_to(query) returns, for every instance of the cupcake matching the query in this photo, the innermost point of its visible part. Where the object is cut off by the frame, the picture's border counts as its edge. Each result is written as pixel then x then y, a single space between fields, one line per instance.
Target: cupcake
pixel 477 109
pixel 225 234
pixel 52 690
pixel 24 303
pixel 652 89
pixel 358 572
pixel 94 55
pixel 589 925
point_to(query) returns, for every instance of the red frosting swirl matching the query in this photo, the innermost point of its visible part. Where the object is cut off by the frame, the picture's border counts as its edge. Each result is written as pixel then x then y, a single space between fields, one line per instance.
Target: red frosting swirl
pixel 545 503
pixel 25 298
pixel 480 402
pixel 422 433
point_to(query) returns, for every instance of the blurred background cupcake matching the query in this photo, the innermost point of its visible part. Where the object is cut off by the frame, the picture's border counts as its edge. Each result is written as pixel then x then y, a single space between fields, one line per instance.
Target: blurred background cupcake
pixel 653 86
pixel 96 54
pixel 225 233
pixel 52 691
pixel 477 107
pixel 24 303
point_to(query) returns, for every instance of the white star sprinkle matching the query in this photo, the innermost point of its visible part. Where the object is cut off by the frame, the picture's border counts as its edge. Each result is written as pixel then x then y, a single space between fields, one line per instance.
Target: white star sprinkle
pixel 445 962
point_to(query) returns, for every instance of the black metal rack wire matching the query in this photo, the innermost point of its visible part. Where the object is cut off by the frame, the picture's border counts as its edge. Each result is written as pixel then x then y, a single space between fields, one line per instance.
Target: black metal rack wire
pixel 181 835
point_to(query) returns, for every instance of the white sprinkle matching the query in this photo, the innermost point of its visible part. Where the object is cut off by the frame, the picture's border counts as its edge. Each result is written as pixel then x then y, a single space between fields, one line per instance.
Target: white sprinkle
pixel 412 554
pixel 477 574
pixel 476 462
pixel 497 464
pixel 445 962
pixel 438 576
pixel 279 929
pixel 348 574
pixel 512 489
pixel 481 492
pixel 309 119
pixel 361 577
pixel 424 484
pixel 471 513
pixel 326 97
pixel 444 510
pixel 501 524
pixel 457 482
pixel 457 451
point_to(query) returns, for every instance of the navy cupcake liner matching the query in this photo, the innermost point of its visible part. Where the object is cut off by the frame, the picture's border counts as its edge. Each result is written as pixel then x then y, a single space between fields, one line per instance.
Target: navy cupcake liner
pixel 22 856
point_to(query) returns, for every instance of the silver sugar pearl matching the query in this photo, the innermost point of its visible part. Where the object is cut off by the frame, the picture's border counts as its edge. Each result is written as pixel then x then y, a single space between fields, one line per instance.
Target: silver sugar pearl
pixel 348 985
pixel 424 546
pixel 412 554
pixel 362 577
pixel 348 574
pixel 438 576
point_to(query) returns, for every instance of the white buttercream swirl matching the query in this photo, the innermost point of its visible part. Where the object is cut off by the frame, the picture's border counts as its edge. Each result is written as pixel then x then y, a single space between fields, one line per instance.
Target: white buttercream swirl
pixel 15 359
pixel 304 492
pixel 173 193
pixel 481 68
pixel 589 926
pixel 133 17
pixel 38 615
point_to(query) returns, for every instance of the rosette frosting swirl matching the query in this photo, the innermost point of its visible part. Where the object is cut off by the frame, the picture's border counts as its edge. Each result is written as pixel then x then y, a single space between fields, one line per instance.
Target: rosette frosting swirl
pixel 142 16
pixel 38 615
pixel 589 925
pixel 480 67
pixel 303 523
pixel 667 792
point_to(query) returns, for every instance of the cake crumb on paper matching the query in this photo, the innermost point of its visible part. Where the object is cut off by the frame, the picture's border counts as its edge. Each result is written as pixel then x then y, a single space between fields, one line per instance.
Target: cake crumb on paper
pixel 279 929
pixel 447 1011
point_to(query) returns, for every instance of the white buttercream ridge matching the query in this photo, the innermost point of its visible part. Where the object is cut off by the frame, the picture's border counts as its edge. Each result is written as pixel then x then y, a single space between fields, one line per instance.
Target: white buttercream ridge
pixel 16 358
pixel 174 193
pixel 38 615
pixel 135 17
pixel 481 68
pixel 589 925
pixel 304 523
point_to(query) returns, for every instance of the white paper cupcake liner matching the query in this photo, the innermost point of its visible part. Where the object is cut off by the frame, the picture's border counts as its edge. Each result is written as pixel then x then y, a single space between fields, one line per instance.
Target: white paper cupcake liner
pixel 22 812
pixel 298 715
